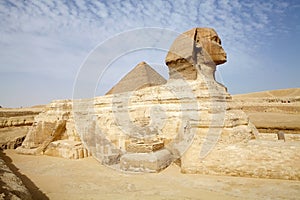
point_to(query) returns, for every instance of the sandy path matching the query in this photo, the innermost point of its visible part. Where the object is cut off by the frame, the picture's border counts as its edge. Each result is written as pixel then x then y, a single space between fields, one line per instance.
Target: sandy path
pixel 58 178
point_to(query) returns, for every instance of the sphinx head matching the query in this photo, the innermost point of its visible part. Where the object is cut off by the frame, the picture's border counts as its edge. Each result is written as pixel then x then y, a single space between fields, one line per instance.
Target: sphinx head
pixel 190 50
pixel 210 46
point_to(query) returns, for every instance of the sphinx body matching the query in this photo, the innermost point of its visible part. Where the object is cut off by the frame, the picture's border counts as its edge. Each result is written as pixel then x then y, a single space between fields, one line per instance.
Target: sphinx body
pixel 191 119
pixel 167 118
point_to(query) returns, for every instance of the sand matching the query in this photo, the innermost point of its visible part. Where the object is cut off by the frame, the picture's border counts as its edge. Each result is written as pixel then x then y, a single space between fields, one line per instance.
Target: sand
pixel 58 178
pixel 290 92
pixel 270 112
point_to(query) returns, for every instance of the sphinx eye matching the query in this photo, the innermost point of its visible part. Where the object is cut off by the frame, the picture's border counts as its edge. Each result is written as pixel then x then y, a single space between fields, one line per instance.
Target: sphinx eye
pixel 216 39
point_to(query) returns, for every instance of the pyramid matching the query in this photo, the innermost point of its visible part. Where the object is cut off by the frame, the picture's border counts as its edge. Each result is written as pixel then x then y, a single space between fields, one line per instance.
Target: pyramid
pixel 140 77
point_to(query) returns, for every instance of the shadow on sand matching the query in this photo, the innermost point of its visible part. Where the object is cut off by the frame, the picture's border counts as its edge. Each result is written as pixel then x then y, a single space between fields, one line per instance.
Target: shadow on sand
pixel 35 192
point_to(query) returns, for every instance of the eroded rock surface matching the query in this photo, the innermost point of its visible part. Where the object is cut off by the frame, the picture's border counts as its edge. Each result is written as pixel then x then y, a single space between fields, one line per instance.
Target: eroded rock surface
pixel 197 50
pixel 14 125
pixel 11 187
pixel 53 134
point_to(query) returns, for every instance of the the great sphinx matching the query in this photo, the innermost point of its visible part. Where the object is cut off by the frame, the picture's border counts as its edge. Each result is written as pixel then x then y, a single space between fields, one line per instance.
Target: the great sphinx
pixel 191 119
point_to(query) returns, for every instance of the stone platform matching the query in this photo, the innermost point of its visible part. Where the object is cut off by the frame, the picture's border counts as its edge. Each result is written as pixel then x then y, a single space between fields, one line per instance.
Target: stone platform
pixel 146 162
pixel 144 147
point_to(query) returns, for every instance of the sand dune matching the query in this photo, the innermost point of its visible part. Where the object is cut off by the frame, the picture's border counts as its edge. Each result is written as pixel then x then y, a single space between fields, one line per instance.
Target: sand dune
pixel 291 92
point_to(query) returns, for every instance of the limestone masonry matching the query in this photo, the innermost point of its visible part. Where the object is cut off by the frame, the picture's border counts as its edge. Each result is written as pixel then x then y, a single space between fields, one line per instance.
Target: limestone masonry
pixel 14 125
pixel 190 119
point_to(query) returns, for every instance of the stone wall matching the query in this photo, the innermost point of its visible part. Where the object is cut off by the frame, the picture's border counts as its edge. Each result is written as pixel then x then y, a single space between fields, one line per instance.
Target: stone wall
pixel 53 134
pixel 14 125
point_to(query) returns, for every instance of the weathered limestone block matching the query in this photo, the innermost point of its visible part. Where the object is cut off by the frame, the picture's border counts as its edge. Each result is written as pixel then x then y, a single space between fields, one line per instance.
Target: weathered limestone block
pixel 146 162
pixel 235 118
pixel 66 149
pixel 16 121
pixel 50 132
pixel 46 122
pixel 12 137
pixel 14 125
pixel 53 124
pixel 256 158
pixel 144 147
pixel 12 117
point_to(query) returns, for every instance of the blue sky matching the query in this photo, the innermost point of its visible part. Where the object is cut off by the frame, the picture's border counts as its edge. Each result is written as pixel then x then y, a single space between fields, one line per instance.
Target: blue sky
pixel 44 43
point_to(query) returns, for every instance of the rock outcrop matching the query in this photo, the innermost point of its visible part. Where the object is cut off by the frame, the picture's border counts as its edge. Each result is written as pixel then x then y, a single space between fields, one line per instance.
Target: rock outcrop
pixel 11 187
pixel 14 125
pixel 191 119
pixel 53 134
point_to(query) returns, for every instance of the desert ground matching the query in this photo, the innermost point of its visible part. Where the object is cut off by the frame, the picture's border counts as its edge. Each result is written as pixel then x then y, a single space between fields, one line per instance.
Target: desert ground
pixel 57 178
pixel 272 111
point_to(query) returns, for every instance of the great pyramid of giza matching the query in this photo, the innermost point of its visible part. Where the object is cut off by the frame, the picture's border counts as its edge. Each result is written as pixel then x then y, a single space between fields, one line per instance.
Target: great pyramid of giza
pixel 140 77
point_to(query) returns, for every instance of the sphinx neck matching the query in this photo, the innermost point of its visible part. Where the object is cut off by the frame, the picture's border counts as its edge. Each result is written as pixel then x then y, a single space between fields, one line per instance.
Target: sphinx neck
pixel 207 70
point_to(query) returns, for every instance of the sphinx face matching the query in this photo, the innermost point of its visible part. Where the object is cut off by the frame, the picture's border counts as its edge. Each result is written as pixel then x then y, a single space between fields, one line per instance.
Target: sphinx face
pixel 195 51
pixel 208 39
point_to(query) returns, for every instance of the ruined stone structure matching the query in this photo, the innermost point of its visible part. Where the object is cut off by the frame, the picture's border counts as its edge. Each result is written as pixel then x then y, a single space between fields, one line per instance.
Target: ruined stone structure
pixel 191 119
pixel 53 133
pixel 14 125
